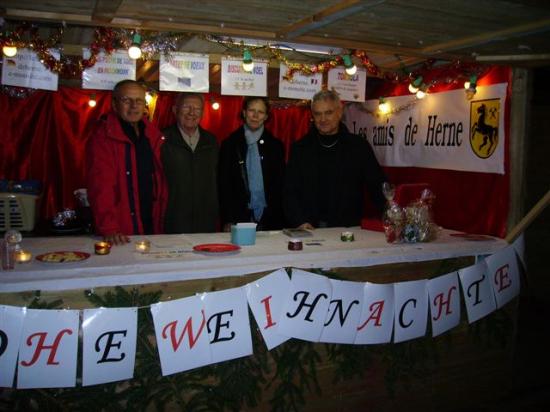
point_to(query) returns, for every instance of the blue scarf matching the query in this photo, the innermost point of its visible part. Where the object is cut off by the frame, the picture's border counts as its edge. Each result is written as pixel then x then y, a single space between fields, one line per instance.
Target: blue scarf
pixel 254 171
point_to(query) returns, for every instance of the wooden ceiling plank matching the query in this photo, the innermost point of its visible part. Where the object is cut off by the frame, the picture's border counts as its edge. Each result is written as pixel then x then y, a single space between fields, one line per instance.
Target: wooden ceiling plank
pixel 18 14
pixel 105 10
pixel 472 41
pixel 329 15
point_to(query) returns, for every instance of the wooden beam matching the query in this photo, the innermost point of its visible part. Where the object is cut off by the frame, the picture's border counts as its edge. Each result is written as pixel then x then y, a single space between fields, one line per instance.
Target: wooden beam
pixel 471 41
pixel 330 14
pixel 105 10
pixel 513 57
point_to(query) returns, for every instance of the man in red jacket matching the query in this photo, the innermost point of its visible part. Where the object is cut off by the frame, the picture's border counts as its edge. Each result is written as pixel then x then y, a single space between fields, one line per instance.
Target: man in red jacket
pixel 126 184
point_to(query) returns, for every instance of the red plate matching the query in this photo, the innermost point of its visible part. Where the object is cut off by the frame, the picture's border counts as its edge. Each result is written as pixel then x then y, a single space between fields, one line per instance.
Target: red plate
pixel 63 257
pixel 216 247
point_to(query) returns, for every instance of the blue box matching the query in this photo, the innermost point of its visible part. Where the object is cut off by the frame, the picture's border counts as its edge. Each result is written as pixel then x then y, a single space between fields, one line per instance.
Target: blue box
pixel 243 234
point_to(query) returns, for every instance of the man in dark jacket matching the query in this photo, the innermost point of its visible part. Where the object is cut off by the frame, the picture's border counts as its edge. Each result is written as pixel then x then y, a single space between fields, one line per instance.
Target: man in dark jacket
pixel 126 185
pixel 328 171
pixel 190 159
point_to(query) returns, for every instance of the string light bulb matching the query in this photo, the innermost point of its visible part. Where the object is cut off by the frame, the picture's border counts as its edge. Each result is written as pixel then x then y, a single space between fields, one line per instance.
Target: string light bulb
pixel 215 105
pixel 414 86
pixel 420 94
pixel 148 98
pixel 9 50
pixel 134 51
pixel 470 82
pixel 383 106
pixel 92 102
pixel 248 63
pixel 351 68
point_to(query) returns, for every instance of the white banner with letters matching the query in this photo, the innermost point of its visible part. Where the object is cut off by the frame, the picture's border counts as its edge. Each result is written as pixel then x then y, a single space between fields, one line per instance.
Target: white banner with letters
pixel 11 325
pixel 49 344
pixel 442 131
pixel 351 88
pixel 109 344
pixel 301 86
pixel 108 70
pixel 214 327
pixel 184 72
pixel 25 70
pixel 238 82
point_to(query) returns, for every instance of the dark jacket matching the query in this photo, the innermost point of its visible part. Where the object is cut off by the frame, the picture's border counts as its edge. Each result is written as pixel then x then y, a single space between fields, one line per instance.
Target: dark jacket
pixel 353 167
pixel 112 179
pixel 192 182
pixel 233 182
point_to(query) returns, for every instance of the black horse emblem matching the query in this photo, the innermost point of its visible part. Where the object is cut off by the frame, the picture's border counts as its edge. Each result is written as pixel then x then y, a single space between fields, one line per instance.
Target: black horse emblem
pixel 488 132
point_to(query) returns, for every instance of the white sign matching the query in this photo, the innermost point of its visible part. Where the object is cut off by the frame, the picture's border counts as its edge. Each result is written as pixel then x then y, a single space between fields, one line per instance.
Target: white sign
pixel 228 324
pixel 301 86
pixel 411 310
pixel 47 355
pixel 306 307
pixel 266 297
pixel 25 70
pixel 504 274
pixel 182 339
pixel 344 311
pixel 108 70
pixel 376 322
pixel 442 131
pixel 236 81
pixel 109 345
pixel 444 303
pixel 351 88
pixel 11 325
pixel 184 72
pixel 477 291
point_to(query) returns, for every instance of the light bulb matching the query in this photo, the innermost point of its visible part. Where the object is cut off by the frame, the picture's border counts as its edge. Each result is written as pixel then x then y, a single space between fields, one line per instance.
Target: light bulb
pixel 248 63
pixel 384 107
pixel 134 52
pixel 420 94
pixel 92 102
pixel 148 98
pixel 467 84
pixel 414 86
pixel 9 51
pixel 215 105
pixel 351 70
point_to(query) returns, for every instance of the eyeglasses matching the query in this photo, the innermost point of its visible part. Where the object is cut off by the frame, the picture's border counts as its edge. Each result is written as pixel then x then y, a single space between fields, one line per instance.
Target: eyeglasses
pixel 188 109
pixel 128 101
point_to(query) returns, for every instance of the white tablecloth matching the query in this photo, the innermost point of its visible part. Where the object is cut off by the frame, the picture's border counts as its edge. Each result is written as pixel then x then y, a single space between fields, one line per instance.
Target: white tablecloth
pixel 123 266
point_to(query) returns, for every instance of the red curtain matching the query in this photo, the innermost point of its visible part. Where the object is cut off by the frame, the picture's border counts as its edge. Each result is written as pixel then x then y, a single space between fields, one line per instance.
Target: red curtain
pixel 44 135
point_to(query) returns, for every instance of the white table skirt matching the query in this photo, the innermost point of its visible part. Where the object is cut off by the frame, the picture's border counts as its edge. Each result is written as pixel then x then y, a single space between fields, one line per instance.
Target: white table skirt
pixel 124 266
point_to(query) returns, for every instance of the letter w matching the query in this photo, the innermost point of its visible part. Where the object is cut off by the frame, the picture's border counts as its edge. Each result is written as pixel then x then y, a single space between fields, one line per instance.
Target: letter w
pixel 188 328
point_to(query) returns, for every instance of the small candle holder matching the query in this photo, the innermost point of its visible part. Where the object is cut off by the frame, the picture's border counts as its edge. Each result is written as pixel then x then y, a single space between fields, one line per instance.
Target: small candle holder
pixel 22 256
pixel 143 246
pixel 102 248
pixel 295 244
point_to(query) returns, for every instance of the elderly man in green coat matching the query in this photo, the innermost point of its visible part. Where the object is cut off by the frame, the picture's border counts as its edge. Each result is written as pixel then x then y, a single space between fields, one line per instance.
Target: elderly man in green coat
pixel 190 158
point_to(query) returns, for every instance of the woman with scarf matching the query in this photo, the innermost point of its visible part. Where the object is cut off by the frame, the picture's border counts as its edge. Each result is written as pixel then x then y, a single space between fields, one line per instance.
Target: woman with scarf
pixel 251 171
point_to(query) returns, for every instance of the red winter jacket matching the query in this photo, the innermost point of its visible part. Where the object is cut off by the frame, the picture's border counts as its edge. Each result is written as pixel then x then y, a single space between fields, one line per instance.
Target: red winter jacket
pixel 112 179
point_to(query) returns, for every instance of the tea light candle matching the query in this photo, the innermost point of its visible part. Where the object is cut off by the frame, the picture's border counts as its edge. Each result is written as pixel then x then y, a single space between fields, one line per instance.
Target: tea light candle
pixel 102 248
pixel 22 256
pixel 143 246
pixel 295 244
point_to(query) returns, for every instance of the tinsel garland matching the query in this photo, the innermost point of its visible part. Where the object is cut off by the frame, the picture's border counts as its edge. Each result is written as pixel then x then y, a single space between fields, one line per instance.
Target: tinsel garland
pixel 154 43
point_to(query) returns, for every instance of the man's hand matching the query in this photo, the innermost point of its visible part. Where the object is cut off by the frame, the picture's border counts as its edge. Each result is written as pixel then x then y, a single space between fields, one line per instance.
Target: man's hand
pixel 306 226
pixel 116 238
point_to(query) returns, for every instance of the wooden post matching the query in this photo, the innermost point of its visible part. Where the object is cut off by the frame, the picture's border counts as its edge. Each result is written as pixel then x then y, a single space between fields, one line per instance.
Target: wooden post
pixel 528 218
